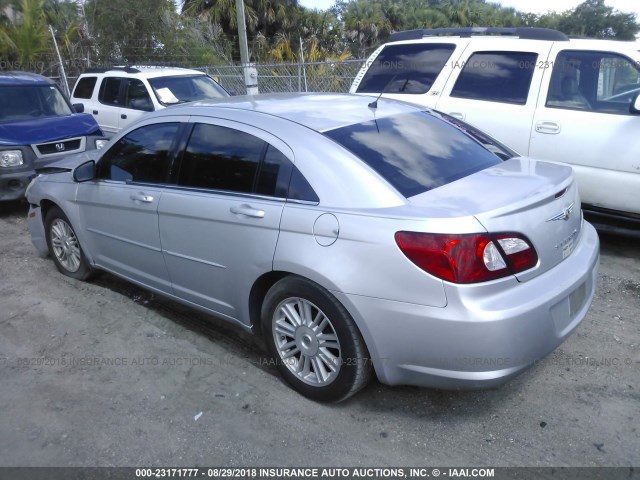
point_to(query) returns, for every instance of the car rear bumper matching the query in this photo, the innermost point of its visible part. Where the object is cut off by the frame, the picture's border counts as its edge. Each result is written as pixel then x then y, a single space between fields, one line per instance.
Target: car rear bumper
pixel 487 333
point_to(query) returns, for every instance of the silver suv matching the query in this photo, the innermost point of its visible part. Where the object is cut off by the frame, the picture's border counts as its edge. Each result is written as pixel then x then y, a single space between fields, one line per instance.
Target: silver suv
pixel 536 90
pixel 119 95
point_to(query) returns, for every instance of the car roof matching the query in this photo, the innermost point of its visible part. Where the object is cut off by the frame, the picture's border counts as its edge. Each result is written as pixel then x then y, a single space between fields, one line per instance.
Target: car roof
pixel 23 78
pixel 318 111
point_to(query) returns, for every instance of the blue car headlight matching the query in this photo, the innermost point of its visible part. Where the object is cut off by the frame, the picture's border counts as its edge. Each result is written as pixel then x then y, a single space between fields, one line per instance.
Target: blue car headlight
pixel 11 158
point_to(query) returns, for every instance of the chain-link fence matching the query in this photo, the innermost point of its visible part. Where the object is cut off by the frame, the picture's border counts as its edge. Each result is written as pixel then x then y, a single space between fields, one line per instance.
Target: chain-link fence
pixel 331 76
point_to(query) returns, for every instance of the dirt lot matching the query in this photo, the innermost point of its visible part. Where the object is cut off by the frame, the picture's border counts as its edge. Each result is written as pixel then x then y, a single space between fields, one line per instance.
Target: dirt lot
pixel 104 373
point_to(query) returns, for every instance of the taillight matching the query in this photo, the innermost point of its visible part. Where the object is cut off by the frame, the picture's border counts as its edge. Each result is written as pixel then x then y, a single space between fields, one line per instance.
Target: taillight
pixel 469 258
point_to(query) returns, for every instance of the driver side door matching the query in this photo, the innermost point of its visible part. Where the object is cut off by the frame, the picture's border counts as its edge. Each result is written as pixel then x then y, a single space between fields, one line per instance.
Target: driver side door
pixel 119 209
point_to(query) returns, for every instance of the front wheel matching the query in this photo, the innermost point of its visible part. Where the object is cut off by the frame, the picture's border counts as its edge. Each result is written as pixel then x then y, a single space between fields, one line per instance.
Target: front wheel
pixel 65 247
pixel 313 340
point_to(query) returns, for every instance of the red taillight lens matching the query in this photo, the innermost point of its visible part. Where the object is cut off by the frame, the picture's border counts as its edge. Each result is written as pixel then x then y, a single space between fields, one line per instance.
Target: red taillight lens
pixel 469 258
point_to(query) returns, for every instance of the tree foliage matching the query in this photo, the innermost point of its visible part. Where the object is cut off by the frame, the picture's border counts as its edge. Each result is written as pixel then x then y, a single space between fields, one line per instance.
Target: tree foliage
pixel 204 32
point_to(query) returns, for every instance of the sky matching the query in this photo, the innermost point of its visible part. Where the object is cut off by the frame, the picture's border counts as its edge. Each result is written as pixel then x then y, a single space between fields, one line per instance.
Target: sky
pixel 539 6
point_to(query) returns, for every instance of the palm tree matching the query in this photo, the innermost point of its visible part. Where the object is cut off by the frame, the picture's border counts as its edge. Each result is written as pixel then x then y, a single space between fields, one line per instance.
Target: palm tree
pixel 27 39
pixel 461 13
pixel 365 24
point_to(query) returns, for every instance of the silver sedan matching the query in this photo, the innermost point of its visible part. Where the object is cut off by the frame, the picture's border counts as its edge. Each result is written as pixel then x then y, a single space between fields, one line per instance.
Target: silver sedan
pixel 358 237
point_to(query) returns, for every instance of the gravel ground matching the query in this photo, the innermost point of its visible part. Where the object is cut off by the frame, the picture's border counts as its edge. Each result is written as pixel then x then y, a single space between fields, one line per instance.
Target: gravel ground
pixel 126 374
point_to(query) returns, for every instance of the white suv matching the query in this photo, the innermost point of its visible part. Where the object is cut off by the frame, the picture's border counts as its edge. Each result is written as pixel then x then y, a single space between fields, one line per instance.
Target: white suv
pixel 543 94
pixel 119 95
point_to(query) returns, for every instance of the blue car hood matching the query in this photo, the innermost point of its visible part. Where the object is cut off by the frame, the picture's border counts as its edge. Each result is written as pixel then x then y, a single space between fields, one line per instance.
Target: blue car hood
pixel 48 129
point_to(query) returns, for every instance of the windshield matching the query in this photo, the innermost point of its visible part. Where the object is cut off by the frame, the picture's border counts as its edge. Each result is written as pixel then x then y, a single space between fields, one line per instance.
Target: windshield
pixel 186 88
pixel 415 152
pixel 26 102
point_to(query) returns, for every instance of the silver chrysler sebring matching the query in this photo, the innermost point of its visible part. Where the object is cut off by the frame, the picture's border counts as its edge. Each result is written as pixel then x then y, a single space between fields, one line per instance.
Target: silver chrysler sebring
pixel 356 235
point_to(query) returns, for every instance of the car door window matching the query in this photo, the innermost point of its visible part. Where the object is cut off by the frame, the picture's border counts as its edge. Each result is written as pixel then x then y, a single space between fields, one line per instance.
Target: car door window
pixel 141 156
pixel 110 91
pixel 222 158
pixel 593 81
pixel 136 95
pixel 84 88
pixel 496 77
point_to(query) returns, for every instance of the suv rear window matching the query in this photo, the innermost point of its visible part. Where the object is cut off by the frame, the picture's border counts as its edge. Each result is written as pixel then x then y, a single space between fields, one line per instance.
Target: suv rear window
pixel 406 68
pixel 496 77
pixel 414 152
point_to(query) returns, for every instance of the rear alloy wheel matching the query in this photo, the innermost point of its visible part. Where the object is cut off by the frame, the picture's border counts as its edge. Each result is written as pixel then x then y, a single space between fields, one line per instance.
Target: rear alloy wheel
pixel 65 247
pixel 314 341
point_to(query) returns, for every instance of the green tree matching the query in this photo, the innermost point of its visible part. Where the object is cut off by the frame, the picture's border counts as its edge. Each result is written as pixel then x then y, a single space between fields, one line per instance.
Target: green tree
pixel 366 26
pixel 27 39
pixel 126 31
pixel 266 20
pixel 593 18
pixel 463 13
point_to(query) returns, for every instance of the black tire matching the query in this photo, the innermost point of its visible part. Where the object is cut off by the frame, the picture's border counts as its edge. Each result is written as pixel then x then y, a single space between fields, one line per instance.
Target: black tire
pixel 350 359
pixel 64 246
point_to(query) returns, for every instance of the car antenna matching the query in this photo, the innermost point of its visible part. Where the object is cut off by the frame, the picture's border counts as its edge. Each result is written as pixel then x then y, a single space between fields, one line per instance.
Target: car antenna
pixel 374 104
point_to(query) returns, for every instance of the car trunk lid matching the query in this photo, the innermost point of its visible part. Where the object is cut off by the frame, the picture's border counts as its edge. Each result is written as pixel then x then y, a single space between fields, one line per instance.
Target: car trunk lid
pixel 536 199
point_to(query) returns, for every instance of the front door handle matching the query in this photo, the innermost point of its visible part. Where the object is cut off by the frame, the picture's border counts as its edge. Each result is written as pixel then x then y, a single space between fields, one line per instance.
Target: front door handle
pixel 458 115
pixel 141 197
pixel 247 211
pixel 123 116
pixel 95 112
pixel 545 126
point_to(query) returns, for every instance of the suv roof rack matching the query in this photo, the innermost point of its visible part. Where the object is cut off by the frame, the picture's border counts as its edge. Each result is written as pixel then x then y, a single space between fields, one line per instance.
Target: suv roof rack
pixel 528 33
pixel 127 69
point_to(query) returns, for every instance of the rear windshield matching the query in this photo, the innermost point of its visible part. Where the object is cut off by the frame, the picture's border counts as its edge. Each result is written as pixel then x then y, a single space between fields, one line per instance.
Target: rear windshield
pixel 406 68
pixel 415 152
pixel 26 102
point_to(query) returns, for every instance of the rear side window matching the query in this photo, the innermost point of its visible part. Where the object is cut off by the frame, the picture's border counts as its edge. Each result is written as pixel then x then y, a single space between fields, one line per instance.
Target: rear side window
pixel 141 156
pixel 222 158
pixel 110 91
pixel 84 88
pixel 406 68
pixel 274 174
pixel 496 77
pixel 414 152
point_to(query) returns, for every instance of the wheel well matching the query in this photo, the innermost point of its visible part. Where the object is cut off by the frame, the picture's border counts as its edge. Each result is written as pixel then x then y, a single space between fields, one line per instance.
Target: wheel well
pixel 256 297
pixel 45 206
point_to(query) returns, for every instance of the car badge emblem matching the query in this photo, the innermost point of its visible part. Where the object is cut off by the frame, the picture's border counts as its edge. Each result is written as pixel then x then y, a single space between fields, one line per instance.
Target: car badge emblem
pixel 60 147
pixel 564 215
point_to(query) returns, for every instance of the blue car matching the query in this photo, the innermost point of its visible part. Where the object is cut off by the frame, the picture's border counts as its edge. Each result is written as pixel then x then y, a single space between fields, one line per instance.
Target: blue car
pixel 38 126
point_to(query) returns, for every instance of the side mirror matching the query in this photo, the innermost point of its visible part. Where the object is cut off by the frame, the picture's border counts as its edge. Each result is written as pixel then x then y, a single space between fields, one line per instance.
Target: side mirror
pixel 85 171
pixel 635 104
pixel 78 107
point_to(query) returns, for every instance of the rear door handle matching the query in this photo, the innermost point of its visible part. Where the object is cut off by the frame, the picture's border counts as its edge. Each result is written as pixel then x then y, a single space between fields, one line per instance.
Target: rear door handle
pixel 247 211
pixel 458 115
pixel 141 197
pixel 545 126
pixel 95 112
pixel 123 116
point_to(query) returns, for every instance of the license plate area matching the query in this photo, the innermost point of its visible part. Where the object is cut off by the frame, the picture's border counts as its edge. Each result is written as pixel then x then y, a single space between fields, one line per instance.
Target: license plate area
pixel 568 244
